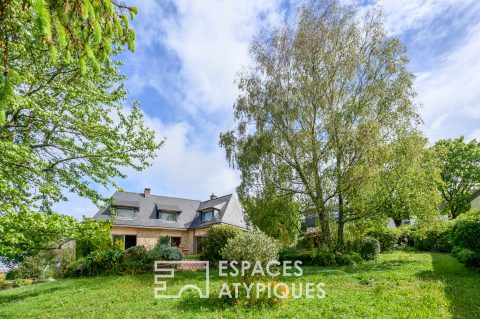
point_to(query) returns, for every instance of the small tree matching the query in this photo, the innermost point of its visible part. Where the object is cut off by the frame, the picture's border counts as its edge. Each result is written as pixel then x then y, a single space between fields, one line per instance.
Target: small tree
pixel 252 247
pixel 217 237
pixel 460 171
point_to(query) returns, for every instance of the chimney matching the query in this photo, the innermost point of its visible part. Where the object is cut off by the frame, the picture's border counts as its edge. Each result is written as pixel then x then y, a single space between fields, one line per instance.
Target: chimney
pixel 146 192
pixel 213 196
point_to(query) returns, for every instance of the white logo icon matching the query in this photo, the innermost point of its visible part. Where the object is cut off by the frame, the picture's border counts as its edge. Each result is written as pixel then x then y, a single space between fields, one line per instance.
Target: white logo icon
pixel 170 273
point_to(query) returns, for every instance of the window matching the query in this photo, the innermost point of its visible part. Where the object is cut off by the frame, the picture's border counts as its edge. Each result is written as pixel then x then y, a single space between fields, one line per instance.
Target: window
pixel 127 213
pixel 127 241
pixel 207 215
pixel 170 217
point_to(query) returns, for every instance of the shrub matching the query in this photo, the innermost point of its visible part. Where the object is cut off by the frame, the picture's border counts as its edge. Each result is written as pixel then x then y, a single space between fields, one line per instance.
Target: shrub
pixel 324 258
pixel 217 237
pixel 468 257
pixel 466 232
pixel 135 253
pixel 305 243
pixel 165 253
pixel 31 267
pixel 387 237
pixel 370 248
pixel 11 274
pixel 92 235
pixel 18 283
pixel 76 268
pixel 433 238
pixel 344 260
pixel 252 247
pixel 102 262
pixel 135 260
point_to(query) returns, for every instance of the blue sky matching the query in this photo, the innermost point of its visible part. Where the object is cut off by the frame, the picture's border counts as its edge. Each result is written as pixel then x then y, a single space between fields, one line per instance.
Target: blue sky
pixel 188 53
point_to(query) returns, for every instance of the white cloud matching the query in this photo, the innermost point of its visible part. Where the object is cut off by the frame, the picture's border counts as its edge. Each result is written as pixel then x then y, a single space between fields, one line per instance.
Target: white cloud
pixel 452 87
pixel 184 166
pixel 209 38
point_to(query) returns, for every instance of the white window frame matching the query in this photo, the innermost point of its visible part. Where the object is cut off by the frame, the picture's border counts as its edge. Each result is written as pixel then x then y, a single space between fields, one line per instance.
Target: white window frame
pixel 134 210
pixel 160 212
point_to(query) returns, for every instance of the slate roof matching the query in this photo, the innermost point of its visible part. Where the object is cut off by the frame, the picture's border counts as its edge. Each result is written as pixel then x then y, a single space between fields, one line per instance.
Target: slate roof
pixel 227 210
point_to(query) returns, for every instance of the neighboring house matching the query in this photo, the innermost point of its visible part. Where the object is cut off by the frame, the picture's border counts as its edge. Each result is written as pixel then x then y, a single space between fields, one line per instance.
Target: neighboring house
pixel 475 200
pixel 141 218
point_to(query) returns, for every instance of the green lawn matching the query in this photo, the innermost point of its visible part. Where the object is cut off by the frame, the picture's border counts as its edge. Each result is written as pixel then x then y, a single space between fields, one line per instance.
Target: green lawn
pixel 398 285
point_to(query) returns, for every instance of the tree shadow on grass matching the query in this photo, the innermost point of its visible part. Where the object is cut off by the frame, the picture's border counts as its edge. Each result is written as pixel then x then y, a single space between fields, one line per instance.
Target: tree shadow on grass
pixel 10 298
pixel 462 285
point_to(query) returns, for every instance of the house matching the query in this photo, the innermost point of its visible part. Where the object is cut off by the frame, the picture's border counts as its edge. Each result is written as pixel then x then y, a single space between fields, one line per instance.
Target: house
pixel 475 200
pixel 141 218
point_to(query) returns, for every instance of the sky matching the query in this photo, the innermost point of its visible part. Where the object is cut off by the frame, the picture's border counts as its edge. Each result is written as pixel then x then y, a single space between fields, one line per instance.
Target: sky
pixel 188 54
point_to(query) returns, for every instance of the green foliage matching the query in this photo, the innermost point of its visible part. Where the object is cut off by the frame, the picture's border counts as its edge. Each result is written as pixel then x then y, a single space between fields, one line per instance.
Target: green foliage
pixel 408 184
pixel 466 232
pixel 276 215
pixel 433 237
pixel 468 257
pixel 217 237
pixel 27 234
pixel 460 173
pixel 321 257
pixel 387 237
pixel 370 248
pixel 305 243
pixel 79 132
pixel 92 235
pixel 102 262
pixel 252 247
pixel 32 267
pixel 164 251
pixel 316 133
pixel 135 260
pixel 310 240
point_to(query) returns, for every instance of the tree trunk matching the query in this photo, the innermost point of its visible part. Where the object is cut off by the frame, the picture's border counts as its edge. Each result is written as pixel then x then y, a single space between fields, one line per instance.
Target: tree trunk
pixel 341 224
pixel 398 222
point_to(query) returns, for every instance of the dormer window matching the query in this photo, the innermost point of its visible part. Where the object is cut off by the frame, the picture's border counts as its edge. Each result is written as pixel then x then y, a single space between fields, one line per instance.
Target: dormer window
pixel 125 212
pixel 169 217
pixel 207 215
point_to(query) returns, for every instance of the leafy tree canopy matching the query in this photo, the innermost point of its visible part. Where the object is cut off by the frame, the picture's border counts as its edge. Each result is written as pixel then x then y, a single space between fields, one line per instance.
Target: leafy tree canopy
pixel 63 124
pixel 27 234
pixel 460 172
pixel 277 215
pixel 317 107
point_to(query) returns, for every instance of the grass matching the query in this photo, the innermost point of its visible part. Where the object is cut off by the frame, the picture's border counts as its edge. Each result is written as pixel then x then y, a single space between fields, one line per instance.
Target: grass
pixel 398 285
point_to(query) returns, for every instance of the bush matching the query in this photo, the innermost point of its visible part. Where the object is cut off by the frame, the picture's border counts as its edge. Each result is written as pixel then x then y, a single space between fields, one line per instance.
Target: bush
pixel 466 232
pixel 324 258
pixel 217 237
pixel 370 248
pixel 387 237
pixel 321 257
pixel 102 262
pixel 344 260
pixel 433 238
pixel 135 253
pixel 18 283
pixel 31 267
pixel 92 235
pixel 305 243
pixel 135 260
pixel 468 257
pixel 252 247
pixel 164 251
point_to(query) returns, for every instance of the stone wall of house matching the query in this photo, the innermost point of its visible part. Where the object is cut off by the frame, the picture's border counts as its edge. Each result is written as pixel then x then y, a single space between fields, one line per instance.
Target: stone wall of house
pixel 148 237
